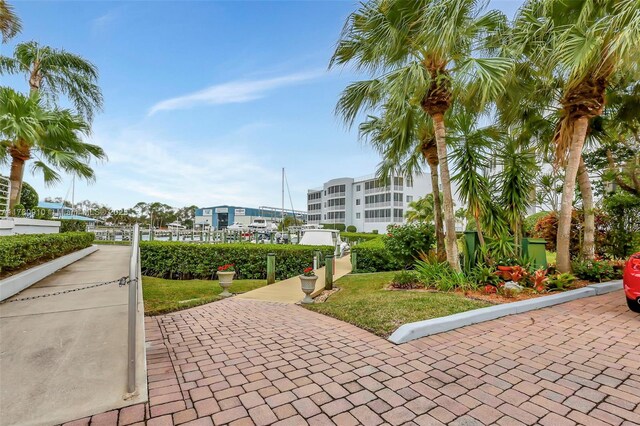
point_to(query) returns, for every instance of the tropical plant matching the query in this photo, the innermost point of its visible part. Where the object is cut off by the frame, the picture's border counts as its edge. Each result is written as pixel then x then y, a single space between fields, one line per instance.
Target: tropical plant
pixel 561 281
pixel 426 53
pixel 586 46
pixel 406 242
pixel 53 137
pixel 52 72
pixel 10 24
pixel 421 210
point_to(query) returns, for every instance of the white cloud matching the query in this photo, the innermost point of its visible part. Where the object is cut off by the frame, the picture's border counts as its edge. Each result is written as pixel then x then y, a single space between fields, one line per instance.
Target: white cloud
pixel 238 91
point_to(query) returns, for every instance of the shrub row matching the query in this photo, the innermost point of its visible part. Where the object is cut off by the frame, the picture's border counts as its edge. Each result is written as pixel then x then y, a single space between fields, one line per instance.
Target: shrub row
pixel 18 251
pixel 358 236
pixel 373 256
pixel 72 225
pixel 177 260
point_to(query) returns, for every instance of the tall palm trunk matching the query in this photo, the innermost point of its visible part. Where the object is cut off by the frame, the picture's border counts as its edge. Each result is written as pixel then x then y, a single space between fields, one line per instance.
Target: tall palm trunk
pixel 563 242
pixel 16 175
pixel 476 218
pixel 449 218
pixel 437 207
pixel 588 244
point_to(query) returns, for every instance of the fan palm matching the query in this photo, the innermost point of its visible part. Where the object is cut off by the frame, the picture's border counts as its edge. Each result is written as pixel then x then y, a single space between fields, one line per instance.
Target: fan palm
pixel 588 45
pixel 52 138
pixel 425 52
pixel 10 24
pixel 405 143
pixel 52 72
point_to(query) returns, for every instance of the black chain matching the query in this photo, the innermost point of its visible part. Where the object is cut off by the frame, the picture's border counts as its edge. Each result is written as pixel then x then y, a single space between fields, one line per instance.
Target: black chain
pixel 121 282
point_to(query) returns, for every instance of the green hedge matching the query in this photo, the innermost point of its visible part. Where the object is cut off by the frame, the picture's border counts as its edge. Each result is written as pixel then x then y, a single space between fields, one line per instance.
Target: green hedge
pixel 339 226
pixel 72 225
pixel 358 236
pixel 373 256
pixel 18 251
pixel 177 260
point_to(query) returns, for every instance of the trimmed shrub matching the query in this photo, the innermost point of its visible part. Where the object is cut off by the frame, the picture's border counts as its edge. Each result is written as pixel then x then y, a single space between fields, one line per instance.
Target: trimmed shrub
pixel 338 226
pixel 18 251
pixel 406 242
pixel 18 211
pixel 358 236
pixel 72 225
pixel 352 228
pixel 176 260
pixel 373 256
pixel 28 197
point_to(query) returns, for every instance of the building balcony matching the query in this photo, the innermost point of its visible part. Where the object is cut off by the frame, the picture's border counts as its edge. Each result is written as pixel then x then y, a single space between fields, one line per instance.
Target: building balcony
pixel 377 205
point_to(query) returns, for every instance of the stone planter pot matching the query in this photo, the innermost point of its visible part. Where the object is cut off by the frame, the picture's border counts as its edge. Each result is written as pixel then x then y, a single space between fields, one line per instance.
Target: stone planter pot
pixel 308 286
pixel 226 278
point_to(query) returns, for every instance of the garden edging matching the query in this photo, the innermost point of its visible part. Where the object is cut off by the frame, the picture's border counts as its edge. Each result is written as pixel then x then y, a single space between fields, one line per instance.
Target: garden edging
pixel 16 283
pixel 416 330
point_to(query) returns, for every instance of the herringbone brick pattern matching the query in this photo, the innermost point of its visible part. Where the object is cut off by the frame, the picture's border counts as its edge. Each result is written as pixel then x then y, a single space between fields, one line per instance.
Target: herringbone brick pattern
pixel 242 362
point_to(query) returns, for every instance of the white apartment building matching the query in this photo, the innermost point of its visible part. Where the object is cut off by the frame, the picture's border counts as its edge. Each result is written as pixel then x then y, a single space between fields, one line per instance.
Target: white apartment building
pixel 365 202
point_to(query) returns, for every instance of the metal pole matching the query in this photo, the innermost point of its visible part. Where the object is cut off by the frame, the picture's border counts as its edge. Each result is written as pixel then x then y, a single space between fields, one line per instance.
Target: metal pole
pixel 133 304
pixel 328 273
pixel 271 268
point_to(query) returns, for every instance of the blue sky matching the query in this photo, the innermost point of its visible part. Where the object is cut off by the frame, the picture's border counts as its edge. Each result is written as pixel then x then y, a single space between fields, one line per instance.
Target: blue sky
pixel 205 102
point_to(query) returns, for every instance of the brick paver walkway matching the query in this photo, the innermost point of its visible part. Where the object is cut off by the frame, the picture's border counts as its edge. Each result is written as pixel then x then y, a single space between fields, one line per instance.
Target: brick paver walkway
pixel 244 362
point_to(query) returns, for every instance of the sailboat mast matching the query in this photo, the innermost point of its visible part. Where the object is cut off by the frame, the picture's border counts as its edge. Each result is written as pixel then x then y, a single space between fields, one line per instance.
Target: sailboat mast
pixel 282 213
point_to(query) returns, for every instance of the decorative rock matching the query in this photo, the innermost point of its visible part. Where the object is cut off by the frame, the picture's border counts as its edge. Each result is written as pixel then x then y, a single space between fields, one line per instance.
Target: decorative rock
pixel 510 285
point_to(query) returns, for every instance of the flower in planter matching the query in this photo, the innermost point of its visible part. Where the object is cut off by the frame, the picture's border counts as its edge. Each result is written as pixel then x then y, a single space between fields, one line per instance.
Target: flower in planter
pixel 308 272
pixel 229 267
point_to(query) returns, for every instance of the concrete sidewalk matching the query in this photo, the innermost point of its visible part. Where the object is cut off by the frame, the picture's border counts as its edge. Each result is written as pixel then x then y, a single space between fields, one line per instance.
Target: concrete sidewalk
pixel 289 290
pixel 65 356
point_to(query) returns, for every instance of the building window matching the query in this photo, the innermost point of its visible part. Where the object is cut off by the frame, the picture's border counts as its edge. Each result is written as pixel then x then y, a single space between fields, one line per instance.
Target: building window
pixel 357 215
pixel 357 201
pixel 358 188
pixel 409 198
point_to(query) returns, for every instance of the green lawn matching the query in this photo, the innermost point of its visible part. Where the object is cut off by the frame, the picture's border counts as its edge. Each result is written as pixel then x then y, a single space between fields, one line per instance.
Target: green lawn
pixel 362 301
pixel 162 296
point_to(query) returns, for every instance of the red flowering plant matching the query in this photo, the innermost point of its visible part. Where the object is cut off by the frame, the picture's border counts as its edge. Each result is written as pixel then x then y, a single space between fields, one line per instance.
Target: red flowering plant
pixel 308 272
pixel 229 267
pixel 539 280
pixel 489 289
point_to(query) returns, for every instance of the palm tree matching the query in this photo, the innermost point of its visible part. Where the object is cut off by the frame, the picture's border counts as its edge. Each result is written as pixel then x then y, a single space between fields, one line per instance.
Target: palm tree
pixel 53 71
pixel 10 24
pixel 588 46
pixel 424 52
pixel 421 210
pixel 405 143
pixel 52 138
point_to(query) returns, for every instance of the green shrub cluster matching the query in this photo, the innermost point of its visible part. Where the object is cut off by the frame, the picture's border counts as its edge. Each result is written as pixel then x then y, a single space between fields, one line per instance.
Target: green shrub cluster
pixel 373 256
pixel 358 236
pixel 597 270
pixel 352 228
pixel 72 225
pixel 339 226
pixel 18 251
pixel 176 260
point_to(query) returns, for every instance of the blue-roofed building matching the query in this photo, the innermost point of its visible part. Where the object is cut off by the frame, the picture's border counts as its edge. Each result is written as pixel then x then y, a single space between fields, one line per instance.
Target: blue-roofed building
pixel 220 217
pixel 60 211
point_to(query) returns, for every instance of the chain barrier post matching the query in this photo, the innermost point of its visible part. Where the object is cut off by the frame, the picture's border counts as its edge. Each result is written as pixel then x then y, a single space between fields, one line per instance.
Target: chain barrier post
pixel 133 304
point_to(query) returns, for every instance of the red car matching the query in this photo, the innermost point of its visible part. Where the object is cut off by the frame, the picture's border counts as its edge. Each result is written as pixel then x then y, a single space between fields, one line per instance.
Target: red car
pixel 631 282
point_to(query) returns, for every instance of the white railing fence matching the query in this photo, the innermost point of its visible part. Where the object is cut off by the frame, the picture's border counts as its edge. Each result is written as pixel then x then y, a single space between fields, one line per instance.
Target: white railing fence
pixel 5 194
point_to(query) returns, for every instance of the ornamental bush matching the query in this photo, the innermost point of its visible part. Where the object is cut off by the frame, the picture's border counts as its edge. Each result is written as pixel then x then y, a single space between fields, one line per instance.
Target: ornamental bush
pixel 72 225
pixel 373 256
pixel 360 237
pixel 176 260
pixel 18 251
pixel 406 242
pixel 352 228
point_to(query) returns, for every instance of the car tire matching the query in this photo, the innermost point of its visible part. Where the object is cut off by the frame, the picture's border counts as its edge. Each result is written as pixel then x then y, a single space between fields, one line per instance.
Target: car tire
pixel 633 305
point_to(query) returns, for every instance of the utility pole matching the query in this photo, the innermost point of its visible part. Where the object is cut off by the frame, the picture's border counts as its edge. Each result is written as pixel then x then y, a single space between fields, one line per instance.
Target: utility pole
pixel 282 213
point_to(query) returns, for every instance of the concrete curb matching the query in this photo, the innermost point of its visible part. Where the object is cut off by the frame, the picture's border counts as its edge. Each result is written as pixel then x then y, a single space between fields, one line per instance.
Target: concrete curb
pixel 16 283
pixel 415 330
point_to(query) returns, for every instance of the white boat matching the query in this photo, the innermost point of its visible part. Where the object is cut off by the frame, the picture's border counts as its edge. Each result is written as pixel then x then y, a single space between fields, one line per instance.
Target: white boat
pixel 237 226
pixel 325 237
pixel 262 225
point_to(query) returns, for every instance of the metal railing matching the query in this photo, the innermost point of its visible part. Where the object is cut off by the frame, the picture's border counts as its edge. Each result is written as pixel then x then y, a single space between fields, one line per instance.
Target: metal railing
pixel 134 281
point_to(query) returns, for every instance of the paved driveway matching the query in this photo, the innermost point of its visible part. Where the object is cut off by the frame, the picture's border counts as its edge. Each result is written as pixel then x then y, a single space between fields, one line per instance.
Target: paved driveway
pixel 244 362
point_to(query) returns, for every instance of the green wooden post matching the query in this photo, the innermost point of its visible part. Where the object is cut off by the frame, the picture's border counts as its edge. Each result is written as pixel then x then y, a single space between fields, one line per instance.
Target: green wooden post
pixel 271 268
pixel 271 235
pixel 328 272
pixel 535 250
pixel 354 261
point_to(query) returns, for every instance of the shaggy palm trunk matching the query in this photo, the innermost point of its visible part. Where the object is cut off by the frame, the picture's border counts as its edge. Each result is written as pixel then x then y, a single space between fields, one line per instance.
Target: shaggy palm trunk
pixel 588 244
pixel 449 218
pixel 437 207
pixel 479 229
pixel 566 206
pixel 17 172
